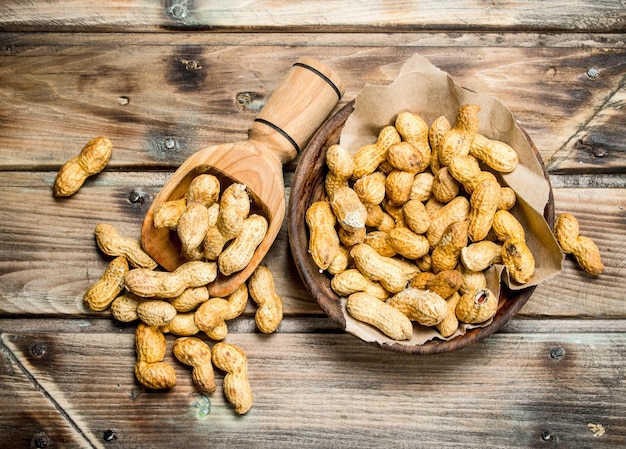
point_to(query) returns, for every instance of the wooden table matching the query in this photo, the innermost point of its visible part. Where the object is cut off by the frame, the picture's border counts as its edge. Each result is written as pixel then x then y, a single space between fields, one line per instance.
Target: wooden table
pixel 164 79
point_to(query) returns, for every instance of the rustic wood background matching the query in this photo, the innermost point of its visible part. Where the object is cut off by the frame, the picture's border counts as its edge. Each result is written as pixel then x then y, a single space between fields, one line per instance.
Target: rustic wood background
pixel 164 79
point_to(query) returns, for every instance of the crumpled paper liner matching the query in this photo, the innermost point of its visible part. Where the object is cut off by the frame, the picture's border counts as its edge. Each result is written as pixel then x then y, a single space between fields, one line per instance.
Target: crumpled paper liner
pixel 426 90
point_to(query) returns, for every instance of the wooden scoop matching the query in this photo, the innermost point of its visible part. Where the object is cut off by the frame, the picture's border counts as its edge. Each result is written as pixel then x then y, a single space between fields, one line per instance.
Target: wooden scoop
pixel 289 118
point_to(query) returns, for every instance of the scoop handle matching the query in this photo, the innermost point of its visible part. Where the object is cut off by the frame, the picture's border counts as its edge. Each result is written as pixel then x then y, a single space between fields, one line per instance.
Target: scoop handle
pixel 297 108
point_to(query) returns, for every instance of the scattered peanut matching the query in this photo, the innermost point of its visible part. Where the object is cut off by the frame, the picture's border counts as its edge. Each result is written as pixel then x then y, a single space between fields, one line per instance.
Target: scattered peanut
pixel 161 284
pixel 212 315
pixel 150 369
pixel 586 252
pixel 196 353
pixel 92 159
pixel 229 358
pixel 112 243
pixel 269 313
pixel 104 291
pixel 155 313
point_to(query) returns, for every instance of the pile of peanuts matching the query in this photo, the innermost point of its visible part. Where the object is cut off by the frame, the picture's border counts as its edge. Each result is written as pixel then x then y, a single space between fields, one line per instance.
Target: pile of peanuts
pixel 411 222
pixel 217 232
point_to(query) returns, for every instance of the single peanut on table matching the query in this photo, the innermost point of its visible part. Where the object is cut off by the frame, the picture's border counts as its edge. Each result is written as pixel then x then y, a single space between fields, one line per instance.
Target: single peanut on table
pixel 586 252
pixel 269 312
pixel 92 159
pixel 150 369
pixel 196 353
pixel 212 315
pixel 231 359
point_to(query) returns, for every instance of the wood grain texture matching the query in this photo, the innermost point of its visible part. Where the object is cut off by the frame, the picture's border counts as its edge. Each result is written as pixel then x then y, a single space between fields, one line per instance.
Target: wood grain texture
pixel 49 255
pixel 341 16
pixel 161 102
pixel 332 392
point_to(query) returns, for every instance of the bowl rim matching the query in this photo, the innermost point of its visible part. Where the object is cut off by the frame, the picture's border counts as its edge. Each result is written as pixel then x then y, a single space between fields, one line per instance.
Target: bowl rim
pixel 312 160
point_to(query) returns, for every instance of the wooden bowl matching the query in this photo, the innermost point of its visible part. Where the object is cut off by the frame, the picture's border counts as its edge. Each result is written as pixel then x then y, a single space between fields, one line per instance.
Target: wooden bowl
pixel 308 186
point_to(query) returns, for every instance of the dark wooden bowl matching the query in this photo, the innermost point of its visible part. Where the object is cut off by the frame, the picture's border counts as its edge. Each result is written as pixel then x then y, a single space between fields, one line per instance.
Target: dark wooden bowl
pixel 308 186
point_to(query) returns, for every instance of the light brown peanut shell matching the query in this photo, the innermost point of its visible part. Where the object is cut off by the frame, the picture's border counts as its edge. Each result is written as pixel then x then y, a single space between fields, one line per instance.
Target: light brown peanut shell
pixel 231 359
pixel 238 254
pixel 477 307
pixel 425 307
pixel 323 239
pixel 113 244
pixel 370 310
pixel 518 260
pixel 161 284
pixel 102 293
pixel 91 160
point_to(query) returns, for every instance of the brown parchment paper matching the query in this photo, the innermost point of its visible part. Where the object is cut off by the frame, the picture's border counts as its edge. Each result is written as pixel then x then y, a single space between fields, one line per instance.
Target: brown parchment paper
pixel 426 90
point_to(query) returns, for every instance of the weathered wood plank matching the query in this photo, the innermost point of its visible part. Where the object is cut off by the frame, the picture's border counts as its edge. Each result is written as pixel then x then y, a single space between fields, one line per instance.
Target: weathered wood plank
pixel 341 16
pixel 160 102
pixel 27 405
pixel 48 256
pixel 318 390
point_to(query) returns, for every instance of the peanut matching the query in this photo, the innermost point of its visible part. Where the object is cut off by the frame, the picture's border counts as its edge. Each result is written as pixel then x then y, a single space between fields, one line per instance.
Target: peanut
pixel 445 283
pixel 438 129
pixel 124 308
pixel 379 241
pixel 112 243
pixel 481 255
pixel 192 228
pixel 203 189
pixel 497 155
pixel 472 280
pixel 414 130
pixel 484 204
pixel 340 165
pixel 508 198
pixel 518 259
pixel 182 325
pixel 323 239
pixel 506 226
pixel 422 187
pixel 196 353
pixel 150 370
pixel 425 307
pixel 239 253
pixel 416 216
pixel 190 299
pixel 351 214
pixel 353 281
pixel 369 157
pixel 379 268
pixel 377 218
pixel 91 160
pixel 584 250
pixel 456 210
pixel 269 313
pixel 340 262
pixel 155 313
pixel 351 238
pixel 445 255
pixel 408 244
pixel 405 156
pixel 234 207
pixel 466 170
pixel 102 293
pixel 458 141
pixel 168 214
pixel 212 315
pixel 231 359
pixel 390 321
pixel 445 187
pixel 477 306
pixel 450 322
pixel 160 284
pixel 371 188
pixel 398 186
